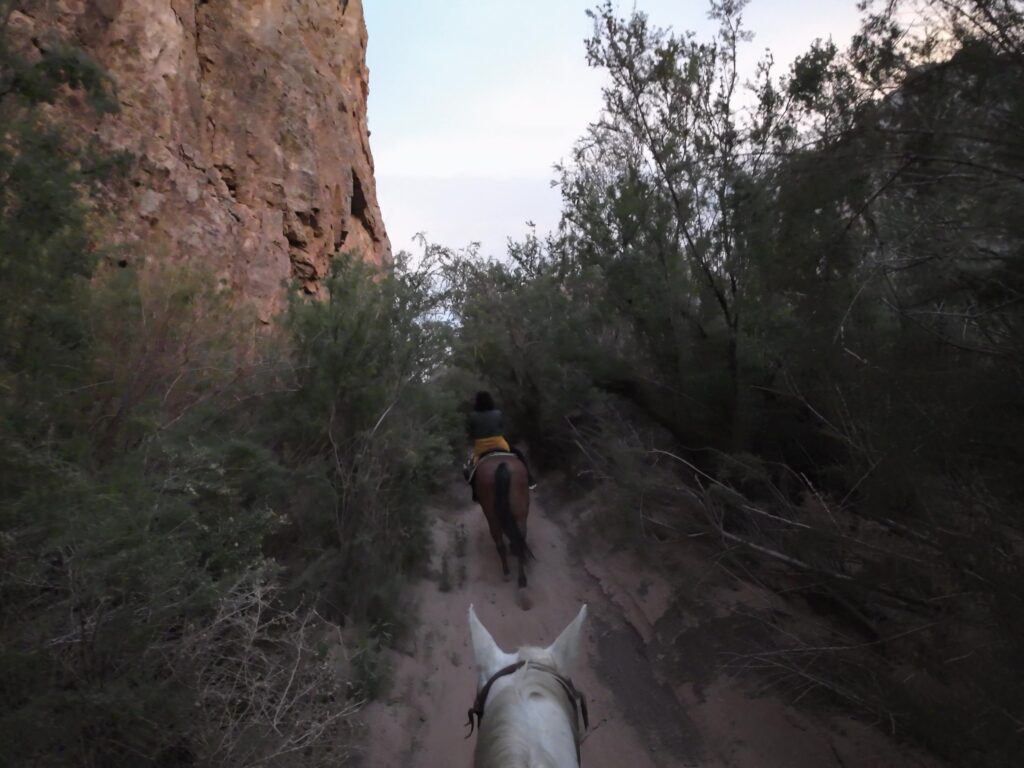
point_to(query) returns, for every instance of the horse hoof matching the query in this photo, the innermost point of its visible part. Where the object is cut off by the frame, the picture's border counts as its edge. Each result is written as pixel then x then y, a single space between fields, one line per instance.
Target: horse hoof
pixel 523 599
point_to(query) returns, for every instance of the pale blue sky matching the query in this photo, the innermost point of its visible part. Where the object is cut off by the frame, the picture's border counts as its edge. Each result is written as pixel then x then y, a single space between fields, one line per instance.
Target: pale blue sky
pixel 473 101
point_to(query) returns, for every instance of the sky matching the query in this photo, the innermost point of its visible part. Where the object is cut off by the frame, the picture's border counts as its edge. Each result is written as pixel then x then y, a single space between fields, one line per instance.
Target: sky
pixel 472 102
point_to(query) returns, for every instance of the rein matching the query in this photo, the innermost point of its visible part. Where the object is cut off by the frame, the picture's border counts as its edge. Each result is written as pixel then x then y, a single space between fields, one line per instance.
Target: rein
pixel 579 704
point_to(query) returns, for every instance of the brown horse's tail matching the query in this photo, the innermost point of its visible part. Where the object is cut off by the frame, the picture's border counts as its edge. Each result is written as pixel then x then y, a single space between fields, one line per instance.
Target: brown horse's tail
pixel 503 509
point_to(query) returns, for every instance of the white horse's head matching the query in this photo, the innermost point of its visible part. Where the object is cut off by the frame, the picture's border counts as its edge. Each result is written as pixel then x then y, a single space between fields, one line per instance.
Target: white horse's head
pixel 562 654
pixel 531 703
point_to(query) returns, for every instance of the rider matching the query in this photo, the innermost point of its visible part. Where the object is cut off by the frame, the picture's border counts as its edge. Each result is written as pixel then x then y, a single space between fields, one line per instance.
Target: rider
pixel 486 428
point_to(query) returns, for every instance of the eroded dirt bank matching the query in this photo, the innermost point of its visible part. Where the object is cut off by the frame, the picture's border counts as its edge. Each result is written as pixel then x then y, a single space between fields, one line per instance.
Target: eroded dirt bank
pixel 662 677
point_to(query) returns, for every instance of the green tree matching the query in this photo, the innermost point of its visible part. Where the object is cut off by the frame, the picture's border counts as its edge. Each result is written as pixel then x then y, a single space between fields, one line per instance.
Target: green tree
pixel 665 189
pixel 832 285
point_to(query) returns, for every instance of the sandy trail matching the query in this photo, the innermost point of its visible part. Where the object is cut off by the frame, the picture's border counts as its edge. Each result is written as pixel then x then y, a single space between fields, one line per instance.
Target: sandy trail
pixel 649 674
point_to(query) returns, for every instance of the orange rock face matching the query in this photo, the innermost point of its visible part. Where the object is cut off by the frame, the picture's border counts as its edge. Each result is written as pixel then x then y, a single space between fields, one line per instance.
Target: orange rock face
pixel 248 122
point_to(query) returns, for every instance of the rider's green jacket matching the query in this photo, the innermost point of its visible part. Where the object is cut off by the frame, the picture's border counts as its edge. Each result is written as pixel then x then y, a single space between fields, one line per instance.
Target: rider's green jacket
pixel 483 424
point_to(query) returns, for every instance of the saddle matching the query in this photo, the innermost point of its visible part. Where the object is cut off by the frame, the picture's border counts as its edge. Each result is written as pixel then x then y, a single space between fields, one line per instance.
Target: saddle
pixel 469 470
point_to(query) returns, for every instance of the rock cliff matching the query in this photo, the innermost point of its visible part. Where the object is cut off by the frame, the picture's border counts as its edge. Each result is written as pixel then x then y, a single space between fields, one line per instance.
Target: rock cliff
pixel 247 119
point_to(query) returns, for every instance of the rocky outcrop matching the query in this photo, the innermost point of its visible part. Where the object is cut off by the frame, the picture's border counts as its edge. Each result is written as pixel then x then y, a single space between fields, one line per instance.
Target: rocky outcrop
pixel 247 119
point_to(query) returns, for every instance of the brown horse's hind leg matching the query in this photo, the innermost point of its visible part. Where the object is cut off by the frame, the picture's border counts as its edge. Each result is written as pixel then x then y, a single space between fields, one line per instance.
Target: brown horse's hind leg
pixel 522 510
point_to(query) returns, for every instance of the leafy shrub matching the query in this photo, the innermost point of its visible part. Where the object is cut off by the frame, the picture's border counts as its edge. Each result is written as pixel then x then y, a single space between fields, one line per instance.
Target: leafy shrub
pixel 368 420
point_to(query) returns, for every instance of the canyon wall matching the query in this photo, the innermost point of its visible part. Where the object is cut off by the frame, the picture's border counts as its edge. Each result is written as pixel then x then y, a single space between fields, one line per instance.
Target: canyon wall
pixel 247 123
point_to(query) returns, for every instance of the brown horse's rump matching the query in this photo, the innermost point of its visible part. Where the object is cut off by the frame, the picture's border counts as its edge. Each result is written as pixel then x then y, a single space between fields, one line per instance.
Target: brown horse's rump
pixel 502 488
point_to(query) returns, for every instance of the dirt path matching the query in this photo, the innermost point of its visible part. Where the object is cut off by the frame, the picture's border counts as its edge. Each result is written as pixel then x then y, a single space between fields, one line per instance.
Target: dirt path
pixel 656 692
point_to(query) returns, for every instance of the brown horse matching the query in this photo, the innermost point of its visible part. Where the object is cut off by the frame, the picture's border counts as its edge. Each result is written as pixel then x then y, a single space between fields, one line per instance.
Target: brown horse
pixel 502 488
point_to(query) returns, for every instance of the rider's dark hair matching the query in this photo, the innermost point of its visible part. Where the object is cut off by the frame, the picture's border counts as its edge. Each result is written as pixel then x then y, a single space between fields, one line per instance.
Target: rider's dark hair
pixel 483 402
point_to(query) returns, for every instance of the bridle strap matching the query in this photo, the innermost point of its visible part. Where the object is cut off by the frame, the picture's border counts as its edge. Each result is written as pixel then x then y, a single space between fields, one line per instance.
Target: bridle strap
pixel 576 699
pixel 579 704
pixel 477 710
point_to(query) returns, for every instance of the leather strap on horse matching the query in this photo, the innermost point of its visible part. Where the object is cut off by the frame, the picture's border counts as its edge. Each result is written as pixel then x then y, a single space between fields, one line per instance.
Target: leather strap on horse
pixel 477 710
pixel 579 704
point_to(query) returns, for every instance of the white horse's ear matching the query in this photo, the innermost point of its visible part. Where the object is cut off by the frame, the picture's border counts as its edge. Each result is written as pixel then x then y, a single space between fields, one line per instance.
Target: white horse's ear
pixel 565 650
pixel 489 657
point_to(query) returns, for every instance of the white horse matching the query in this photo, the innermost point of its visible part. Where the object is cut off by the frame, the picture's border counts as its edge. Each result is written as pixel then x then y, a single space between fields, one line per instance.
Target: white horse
pixel 528 709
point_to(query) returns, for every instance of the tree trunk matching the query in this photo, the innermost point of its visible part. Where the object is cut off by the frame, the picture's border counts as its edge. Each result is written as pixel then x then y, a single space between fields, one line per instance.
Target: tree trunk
pixel 738 437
